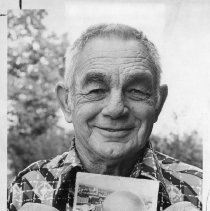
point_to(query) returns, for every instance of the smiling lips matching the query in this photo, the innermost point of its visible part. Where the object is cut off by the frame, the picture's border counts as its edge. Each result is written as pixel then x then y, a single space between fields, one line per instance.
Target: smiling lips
pixel 115 132
pixel 115 129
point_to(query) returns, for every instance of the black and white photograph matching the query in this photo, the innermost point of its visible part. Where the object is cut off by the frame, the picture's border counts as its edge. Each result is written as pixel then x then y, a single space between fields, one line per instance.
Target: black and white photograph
pixel 103 192
pixel 104 105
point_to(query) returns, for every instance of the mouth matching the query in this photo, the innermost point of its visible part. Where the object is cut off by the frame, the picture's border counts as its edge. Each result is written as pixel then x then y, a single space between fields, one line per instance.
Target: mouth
pixel 114 132
pixel 115 129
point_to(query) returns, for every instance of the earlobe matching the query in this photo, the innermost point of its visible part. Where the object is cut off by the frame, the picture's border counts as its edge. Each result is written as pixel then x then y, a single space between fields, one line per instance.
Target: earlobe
pixel 62 97
pixel 162 97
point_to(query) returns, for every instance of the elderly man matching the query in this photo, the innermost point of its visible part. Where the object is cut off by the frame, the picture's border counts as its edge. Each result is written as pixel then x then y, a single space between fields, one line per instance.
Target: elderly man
pixel 112 95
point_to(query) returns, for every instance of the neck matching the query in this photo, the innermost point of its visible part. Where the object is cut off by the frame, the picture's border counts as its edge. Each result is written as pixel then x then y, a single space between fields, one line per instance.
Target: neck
pixel 98 165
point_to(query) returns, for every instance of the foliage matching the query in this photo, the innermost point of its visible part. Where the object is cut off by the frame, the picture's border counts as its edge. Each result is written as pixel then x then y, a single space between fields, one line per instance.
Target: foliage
pixel 35 65
pixel 187 149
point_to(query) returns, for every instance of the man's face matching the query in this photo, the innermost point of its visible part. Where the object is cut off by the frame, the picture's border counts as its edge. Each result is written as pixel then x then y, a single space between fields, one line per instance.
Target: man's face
pixel 113 108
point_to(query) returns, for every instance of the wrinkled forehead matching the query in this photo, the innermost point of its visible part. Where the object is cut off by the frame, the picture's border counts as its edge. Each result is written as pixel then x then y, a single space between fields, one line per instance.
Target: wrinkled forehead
pixel 113 48
pixel 113 57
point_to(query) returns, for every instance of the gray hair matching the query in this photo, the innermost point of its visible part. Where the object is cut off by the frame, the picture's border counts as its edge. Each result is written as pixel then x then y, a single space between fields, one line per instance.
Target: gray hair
pixel 108 31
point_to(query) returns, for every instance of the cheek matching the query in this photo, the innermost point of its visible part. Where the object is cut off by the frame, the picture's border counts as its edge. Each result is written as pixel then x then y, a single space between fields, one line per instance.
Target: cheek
pixel 145 115
pixel 84 113
pixel 143 112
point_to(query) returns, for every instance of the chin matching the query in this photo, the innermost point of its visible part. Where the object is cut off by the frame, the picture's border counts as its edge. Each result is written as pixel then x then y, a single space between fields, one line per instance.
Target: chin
pixel 113 152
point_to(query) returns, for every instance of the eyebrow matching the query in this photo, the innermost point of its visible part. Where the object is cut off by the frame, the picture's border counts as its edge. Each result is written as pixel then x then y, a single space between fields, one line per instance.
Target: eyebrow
pixel 137 78
pixel 94 77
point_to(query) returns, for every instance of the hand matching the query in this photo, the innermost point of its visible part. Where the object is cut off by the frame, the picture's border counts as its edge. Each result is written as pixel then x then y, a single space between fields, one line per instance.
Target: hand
pixel 36 207
pixel 182 206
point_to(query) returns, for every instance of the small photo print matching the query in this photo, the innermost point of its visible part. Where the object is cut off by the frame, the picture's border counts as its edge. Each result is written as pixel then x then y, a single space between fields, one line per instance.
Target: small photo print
pixel 95 192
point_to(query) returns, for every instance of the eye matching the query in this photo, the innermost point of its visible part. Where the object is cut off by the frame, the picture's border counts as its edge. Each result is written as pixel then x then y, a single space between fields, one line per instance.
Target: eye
pixel 97 94
pixel 137 94
pixel 97 91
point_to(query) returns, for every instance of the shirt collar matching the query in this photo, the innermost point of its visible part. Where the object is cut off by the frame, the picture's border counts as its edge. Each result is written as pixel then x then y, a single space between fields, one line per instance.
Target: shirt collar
pixel 148 166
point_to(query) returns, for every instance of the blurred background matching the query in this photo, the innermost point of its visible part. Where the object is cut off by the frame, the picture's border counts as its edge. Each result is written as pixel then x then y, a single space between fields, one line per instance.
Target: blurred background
pixel 35 65
pixel 37 40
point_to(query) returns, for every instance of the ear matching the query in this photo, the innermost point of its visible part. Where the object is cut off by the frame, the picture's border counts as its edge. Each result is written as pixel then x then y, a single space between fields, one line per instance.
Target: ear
pixel 162 97
pixel 62 97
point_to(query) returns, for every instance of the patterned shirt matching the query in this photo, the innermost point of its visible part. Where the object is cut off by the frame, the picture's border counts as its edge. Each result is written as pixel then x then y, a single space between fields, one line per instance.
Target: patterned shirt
pixel 52 182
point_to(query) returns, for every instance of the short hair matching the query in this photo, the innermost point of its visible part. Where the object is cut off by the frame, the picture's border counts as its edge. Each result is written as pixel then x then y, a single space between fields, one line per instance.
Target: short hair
pixel 109 31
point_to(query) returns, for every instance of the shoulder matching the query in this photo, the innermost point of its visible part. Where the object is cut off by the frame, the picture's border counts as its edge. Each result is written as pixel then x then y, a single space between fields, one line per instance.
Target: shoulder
pixel 36 183
pixel 183 181
pixel 48 169
pixel 170 164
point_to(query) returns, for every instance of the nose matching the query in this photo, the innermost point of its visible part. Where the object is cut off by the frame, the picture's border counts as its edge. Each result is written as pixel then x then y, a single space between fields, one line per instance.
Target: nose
pixel 115 106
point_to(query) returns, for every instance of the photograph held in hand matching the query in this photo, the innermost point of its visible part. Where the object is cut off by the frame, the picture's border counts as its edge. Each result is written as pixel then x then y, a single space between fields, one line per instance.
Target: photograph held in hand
pixel 109 193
